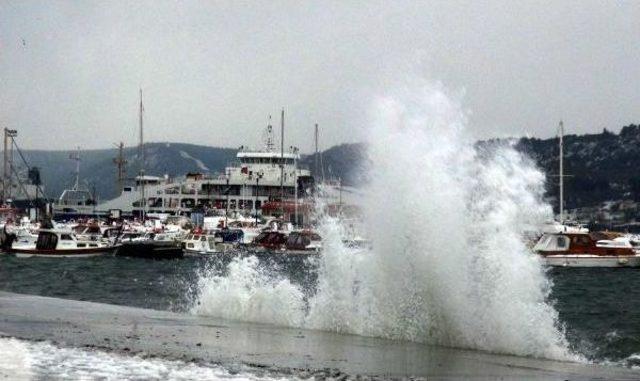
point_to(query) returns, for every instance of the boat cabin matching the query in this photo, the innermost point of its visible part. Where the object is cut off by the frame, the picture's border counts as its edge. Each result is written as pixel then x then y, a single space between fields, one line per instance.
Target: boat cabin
pixel 61 240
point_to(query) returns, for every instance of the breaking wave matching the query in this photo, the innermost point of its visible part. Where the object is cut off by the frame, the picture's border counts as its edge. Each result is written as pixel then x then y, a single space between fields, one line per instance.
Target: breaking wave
pixel 447 265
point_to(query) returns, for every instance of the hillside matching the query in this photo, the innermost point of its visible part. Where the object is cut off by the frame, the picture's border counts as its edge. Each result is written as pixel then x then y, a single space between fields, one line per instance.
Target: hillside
pixel 604 166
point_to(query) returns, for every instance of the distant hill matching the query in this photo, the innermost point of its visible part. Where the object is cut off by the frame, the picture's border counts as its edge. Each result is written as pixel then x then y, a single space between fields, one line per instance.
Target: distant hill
pixel 342 162
pixel 604 166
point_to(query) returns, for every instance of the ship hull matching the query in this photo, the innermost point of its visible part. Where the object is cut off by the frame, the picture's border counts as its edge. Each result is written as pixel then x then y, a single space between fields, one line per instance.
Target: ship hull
pixel 577 260
pixel 70 253
pixel 150 250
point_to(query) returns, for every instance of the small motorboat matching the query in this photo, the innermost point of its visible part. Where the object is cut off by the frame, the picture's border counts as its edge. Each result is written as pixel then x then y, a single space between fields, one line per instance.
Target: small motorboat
pixel 213 242
pixel 150 245
pixel 598 249
pixel 60 243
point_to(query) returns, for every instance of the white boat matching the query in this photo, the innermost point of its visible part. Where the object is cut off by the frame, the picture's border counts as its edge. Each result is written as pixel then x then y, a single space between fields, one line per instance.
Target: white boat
pixel 212 242
pixel 587 250
pixel 60 243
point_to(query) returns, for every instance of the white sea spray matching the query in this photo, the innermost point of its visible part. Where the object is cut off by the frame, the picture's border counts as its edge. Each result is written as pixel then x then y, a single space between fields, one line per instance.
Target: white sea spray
pixel 448 264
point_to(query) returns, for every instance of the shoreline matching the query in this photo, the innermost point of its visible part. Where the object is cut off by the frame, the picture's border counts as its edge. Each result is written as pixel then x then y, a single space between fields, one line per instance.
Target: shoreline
pixel 283 351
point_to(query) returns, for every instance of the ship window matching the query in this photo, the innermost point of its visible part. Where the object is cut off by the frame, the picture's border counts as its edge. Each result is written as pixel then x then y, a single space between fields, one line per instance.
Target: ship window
pixel 65 237
pixel 203 238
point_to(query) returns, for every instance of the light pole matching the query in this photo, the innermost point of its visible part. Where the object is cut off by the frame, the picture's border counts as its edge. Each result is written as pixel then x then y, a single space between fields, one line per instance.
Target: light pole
pixel 255 204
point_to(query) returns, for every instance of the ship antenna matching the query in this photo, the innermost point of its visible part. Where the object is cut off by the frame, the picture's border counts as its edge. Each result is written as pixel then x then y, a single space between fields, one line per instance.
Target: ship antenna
pixel 268 140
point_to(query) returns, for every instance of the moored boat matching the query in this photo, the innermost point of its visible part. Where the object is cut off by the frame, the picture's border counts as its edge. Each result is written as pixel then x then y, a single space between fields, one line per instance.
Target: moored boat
pixel 152 246
pixel 213 242
pixel 60 243
pixel 587 250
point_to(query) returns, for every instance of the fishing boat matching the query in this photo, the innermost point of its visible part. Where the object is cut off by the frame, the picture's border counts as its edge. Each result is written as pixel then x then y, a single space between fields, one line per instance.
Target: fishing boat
pixel 596 249
pixel 60 243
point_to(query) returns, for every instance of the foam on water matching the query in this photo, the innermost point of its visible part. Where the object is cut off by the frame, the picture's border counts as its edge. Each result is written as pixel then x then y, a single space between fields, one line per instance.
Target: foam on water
pixel 23 360
pixel 448 265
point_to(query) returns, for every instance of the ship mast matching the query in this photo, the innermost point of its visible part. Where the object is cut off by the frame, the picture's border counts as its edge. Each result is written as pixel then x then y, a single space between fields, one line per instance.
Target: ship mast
pixel 143 204
pixel 76 157
pixel 316 155
pixel 282 164
pixel 561 201
pixel 120 163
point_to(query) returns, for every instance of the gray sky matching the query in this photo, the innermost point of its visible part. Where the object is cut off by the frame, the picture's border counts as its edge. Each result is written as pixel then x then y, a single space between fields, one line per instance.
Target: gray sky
pixel 212 71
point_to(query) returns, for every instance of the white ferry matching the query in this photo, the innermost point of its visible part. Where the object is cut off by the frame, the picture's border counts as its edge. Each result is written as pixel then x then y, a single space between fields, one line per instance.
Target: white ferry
pixel 259 177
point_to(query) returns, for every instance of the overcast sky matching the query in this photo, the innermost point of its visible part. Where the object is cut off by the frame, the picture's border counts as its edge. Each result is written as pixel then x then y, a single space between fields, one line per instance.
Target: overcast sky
pixel 213 71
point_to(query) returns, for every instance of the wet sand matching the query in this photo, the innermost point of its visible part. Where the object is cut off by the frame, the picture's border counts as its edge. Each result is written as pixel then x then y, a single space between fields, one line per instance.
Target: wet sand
pixel 280 350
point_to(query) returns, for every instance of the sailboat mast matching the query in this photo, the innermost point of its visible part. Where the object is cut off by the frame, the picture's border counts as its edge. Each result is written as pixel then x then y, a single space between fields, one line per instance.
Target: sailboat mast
pixel 143 203
pixel 316 155
pixel 561 202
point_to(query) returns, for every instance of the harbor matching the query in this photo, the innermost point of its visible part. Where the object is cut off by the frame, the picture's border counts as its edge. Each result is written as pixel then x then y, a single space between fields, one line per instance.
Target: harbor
pixel 319 191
